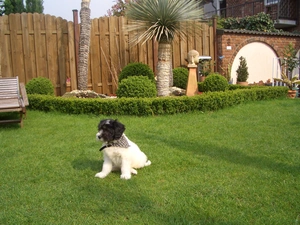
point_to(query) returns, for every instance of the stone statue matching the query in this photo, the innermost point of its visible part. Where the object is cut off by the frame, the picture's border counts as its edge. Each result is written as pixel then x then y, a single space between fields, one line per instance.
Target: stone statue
pixel 193 57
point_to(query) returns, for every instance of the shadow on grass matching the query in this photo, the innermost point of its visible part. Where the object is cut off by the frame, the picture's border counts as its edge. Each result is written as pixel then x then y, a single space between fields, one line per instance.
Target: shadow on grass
pixel 135 204
pixel 10 126
pixel 83 164
pixel 227 154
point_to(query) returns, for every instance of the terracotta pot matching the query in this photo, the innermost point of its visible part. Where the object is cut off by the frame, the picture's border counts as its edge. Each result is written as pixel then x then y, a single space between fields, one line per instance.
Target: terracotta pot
pixel 202 78
pixel 243 83
pixel 292 93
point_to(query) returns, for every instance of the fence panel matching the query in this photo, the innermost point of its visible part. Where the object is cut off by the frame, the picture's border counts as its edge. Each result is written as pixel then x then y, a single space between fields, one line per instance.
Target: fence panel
pixel 34 45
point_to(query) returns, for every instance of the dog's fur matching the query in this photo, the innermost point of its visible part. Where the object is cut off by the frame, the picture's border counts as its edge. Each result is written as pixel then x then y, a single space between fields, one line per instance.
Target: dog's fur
pixel 119 152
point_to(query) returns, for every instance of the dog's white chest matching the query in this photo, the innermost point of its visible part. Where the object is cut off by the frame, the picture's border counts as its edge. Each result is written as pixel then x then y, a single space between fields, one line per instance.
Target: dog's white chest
pixel 114 155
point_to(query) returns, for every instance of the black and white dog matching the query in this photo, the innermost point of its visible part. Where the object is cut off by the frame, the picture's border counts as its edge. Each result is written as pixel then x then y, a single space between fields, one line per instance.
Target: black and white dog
pixel 119 152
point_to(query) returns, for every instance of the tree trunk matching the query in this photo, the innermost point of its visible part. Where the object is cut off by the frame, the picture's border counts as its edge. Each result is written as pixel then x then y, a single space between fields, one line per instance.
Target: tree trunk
pixel 84 44
pixel 164 65
pixel 171 80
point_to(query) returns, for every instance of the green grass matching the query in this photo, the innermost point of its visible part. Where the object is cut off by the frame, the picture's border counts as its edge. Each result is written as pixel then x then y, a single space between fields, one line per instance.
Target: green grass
pixel 240 165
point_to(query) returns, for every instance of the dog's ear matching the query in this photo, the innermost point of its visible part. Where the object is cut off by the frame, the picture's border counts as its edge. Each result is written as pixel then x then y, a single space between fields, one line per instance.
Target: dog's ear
pixel 119 129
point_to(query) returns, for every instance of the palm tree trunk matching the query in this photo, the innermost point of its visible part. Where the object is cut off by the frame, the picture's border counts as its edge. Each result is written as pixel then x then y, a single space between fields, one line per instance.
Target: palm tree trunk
pixel 164 65
pixel 84 44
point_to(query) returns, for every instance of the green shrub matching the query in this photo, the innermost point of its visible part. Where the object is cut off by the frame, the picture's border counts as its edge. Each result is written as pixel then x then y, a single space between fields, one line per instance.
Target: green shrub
pixel 136 69
pixel 40 85
pixel 259 22
pixel 154 106
pixel 136 87
pixel 180 77
pixel 215 82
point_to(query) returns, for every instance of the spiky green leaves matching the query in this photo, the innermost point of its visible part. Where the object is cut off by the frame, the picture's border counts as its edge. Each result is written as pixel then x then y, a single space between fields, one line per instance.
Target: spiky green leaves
pixel 162 19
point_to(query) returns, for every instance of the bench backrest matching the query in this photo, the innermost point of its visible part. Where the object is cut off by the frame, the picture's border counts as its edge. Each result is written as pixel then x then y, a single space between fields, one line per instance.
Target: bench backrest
pixel 9 87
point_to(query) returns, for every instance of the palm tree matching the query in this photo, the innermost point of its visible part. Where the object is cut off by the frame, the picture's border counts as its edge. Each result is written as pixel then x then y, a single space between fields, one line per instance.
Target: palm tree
pixel 162 20
pixel 84 44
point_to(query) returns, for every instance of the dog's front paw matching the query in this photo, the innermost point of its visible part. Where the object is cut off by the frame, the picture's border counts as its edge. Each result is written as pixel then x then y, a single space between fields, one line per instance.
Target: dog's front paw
pixel 100 175
pixel 125 176
pixel 133 171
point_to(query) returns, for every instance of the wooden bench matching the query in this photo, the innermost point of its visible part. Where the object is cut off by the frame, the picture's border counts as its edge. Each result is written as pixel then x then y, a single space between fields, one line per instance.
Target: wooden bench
pixel 13 98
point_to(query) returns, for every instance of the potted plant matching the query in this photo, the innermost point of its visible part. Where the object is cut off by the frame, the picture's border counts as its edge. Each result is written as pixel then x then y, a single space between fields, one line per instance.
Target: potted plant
pixel 205 69
pixel 289 62
pixel 289 83
pixel 242 72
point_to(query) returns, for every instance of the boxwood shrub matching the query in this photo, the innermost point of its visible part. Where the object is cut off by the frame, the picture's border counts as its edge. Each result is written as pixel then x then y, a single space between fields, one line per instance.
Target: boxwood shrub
pixel 209 101
pixel 180 77
pixel 136 69
pixel 40 85
pixel 215 82
pixel 136 87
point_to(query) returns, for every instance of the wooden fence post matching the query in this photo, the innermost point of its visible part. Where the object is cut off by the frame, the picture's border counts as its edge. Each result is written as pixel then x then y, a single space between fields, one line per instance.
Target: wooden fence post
pixel 76 41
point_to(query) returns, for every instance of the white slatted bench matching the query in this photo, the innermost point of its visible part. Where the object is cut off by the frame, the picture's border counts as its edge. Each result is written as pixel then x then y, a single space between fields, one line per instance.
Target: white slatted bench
pixel 13 98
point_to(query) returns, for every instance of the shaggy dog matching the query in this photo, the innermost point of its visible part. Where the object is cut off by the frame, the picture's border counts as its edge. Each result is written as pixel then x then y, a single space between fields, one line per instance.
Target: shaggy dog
pixel 119 152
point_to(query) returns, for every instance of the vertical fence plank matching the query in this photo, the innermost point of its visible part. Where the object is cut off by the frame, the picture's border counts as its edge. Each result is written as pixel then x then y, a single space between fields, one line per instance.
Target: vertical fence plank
pixel 16 45
pixel 29 61
pixel 61 28
pixel 183 51
pixel 51 46
pixel 41 65
pixel 198 41
pixel 95 57
pixel 176 51
pixel 123 44
pixel 211 48
pixel 72 58
pixel 133 50
pixel 149 53
pixel 114 53
pixel 105 57
pixel 6 56
pixel 32 49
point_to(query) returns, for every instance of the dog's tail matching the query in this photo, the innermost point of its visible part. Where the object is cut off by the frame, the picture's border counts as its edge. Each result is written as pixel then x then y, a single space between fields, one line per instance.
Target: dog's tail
pixel 148 163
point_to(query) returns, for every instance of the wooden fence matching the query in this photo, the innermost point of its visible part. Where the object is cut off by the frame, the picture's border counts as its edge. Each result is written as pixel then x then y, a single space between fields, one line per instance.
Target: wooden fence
pixel 35 45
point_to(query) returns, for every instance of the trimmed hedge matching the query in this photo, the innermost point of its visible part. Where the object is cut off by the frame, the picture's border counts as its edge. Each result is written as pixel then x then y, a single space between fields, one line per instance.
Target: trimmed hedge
pixel 154 106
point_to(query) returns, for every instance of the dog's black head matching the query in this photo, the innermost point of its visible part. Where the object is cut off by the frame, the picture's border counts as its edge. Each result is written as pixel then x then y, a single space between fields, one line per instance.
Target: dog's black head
pixel 110 130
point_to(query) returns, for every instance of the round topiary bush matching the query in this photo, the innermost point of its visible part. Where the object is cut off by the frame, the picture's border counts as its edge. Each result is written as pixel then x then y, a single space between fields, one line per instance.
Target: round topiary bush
pixel 40 85
pixel 215 82
pixel 136 87
pixel 136 69
pixel 180 77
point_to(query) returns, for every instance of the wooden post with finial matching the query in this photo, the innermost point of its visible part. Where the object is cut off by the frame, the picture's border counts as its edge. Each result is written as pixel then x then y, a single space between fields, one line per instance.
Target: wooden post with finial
pixel 192 84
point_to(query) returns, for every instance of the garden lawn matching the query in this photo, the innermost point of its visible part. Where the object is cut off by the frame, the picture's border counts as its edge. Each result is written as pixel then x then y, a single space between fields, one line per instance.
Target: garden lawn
pixel 240 165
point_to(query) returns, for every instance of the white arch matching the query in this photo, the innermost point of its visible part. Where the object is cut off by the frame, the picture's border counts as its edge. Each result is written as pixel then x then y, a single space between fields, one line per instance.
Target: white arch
pixel 261 62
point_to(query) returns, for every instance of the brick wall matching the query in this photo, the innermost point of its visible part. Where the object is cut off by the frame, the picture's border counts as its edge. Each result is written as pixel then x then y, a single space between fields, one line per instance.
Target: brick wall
pixel 238 39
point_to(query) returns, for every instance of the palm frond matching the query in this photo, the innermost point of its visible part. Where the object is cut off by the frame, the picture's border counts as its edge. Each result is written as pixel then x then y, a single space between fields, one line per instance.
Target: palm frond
pixel 162 19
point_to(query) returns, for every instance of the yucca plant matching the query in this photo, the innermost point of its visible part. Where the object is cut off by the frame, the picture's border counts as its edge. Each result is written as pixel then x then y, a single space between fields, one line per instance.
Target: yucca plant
pixel 289 82
pixel 289 62
pixel 162 20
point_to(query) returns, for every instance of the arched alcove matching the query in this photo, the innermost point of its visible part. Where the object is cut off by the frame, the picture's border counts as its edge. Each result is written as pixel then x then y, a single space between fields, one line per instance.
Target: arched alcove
pixel 262 62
